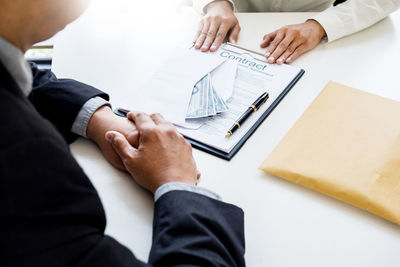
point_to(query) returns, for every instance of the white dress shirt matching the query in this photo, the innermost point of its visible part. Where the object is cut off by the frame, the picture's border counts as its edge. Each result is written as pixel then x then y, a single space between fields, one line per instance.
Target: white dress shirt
pixel 338 21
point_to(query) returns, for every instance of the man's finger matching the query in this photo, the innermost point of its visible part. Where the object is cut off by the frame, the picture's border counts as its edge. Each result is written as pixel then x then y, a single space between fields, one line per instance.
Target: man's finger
pixel 121 145
pixel 299 50
pixel 141 120
pixel 202 35
pixel 221 34
pixel 234 35
pixel 289 51
pixel 280 48
pixel 198 32
pixel 212 31
pixel 267 39
pixel 274 43
pixel 158 119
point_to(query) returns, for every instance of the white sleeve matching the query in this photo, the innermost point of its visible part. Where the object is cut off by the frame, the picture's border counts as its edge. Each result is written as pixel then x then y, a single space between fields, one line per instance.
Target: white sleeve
pixel 168 187
pixel 353 16
pixel 81 122
pixel 200 5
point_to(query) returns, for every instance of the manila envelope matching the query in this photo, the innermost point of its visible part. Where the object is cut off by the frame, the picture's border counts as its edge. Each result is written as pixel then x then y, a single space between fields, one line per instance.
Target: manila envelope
pixel 345 145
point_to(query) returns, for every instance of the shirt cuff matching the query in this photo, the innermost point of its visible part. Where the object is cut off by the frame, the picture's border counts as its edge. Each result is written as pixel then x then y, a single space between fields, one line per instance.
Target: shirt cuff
pixel 200 5
pixel 168 187
pixel 334 26
pixel 80 124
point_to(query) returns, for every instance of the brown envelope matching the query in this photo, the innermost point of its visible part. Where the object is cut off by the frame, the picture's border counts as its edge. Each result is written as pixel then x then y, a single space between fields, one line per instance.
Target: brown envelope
pixel 345 145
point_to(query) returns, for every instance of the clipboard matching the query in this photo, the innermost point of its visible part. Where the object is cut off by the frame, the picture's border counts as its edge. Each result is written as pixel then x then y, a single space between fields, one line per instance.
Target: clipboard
pixel 228 156
pixel 203 146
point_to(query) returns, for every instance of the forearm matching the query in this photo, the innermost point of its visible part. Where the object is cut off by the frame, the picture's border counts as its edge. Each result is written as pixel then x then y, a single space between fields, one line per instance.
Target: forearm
pixel 201 5
pixel 353 16
pixel 104 120
pixel 81 122
pixel 98 123
pixel 60 100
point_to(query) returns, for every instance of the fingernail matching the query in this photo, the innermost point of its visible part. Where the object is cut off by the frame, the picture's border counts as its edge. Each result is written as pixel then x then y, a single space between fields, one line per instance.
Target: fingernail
pixel 267 54
pixel 289 60
pixel 271 60
pixel 110 137
pixel 213 47
pixel 279 61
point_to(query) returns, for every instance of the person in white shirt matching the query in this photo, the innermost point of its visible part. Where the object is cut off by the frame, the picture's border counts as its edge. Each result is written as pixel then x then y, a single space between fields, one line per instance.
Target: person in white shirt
pixel 336 20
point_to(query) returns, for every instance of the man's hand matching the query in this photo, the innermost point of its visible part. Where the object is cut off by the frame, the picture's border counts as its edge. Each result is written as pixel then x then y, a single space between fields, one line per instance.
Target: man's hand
pixel 104 120
pixel 218 22
pixel 163 154
pixel 289 42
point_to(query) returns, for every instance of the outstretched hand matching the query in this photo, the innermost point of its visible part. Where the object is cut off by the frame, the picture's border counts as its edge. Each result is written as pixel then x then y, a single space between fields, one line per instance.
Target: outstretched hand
pixel 288 43
pixel 218 23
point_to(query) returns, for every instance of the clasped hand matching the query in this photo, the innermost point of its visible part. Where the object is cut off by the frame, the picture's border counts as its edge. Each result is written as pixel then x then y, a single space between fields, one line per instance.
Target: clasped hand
pixel 146 146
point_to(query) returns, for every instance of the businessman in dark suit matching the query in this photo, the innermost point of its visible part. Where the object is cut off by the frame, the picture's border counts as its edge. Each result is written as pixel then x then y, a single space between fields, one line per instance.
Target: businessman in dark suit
pixel 51 214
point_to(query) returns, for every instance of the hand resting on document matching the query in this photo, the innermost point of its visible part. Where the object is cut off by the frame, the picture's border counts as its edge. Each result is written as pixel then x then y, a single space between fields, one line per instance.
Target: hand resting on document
pixel 282 46
pixel 218 23
pixel 287 43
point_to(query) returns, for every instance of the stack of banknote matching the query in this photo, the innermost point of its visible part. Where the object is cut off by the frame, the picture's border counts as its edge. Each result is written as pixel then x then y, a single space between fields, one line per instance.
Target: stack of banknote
pixel 205 101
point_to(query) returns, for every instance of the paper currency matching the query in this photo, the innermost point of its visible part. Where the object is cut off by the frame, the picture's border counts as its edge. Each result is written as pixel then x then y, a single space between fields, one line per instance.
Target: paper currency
pixel 199 101
pixel 220 105
pixel 210 100
pixel 205 101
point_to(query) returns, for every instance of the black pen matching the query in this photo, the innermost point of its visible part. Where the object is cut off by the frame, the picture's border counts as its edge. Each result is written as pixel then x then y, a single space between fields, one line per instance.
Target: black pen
pixel 253 108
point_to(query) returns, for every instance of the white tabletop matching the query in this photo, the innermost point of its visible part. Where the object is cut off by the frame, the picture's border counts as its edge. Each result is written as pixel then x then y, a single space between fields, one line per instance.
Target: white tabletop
pixel 118 44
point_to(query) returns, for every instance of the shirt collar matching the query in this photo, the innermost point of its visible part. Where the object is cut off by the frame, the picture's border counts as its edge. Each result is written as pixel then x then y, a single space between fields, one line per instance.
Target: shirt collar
pixel 14 61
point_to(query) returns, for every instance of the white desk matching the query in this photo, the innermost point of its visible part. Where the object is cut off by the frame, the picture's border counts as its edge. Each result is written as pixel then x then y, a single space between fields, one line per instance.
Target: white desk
pixel 116 47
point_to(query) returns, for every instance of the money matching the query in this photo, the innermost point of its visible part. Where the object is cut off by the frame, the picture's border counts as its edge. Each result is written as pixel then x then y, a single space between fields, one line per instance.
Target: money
pixel 211 104
pixel 205 101
pixel 220 105
pixel 198 102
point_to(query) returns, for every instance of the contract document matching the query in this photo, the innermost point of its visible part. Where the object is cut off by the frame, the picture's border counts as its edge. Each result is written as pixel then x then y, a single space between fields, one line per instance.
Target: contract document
pixel 253 77
pixel 203 94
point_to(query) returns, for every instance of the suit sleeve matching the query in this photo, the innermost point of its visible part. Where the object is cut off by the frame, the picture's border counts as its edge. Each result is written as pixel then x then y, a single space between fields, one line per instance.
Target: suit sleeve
pixel 54 217
pixel 353 16
pixel 205 232
pixel 60 100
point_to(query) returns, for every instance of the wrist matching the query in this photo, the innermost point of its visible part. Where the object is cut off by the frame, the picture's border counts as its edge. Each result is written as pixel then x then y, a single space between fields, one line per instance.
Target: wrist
pixel 97 126
pixel 318 27
pixel 219 4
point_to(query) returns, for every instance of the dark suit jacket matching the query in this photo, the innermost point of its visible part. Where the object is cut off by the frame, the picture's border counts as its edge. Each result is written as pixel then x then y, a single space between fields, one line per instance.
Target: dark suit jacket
pixel 51 214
